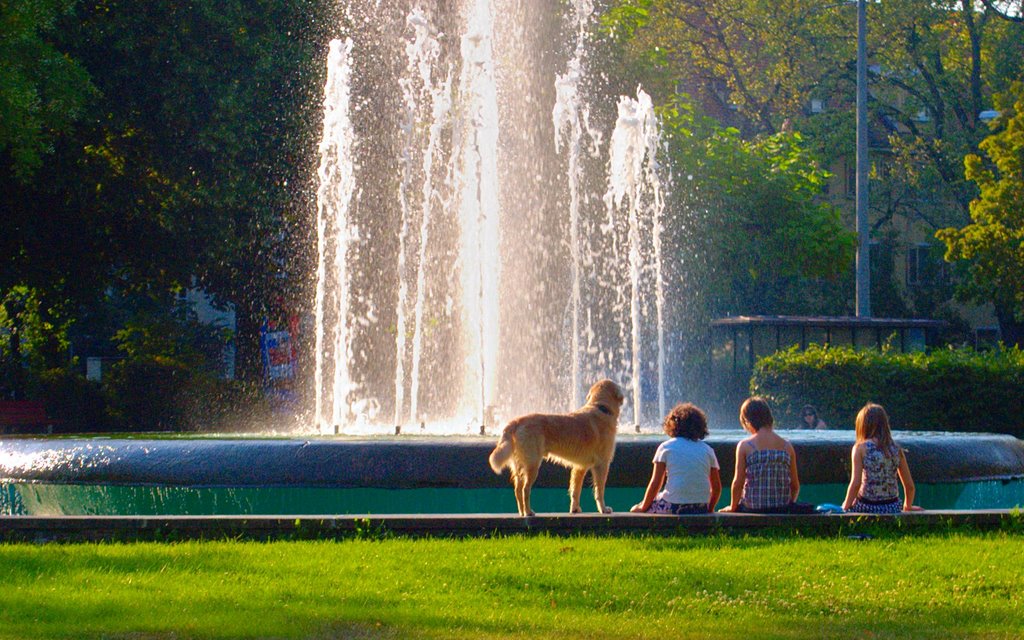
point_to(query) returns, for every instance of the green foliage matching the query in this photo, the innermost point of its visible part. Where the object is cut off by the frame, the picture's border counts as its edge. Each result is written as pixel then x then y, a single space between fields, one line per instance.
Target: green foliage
pixel 753 64
pixel 42 90
pixel 165 371
pixel 992 245
pixel 943 390
pixel 756 65
pixel 749 229
pixel 153 393
pixel 185 163
pixel 168 375
pixel 33 339
pixel 176 334
pixel 160 393
pixel 75 404
pixel 622 21
pixel 750 202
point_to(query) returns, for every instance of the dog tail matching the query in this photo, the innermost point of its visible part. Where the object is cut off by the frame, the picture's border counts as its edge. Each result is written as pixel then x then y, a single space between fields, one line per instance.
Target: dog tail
pixel 503 451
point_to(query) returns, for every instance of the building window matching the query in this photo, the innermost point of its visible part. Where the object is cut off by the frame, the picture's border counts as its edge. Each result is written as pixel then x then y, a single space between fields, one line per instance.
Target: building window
pixel 880 259
pixel 925 265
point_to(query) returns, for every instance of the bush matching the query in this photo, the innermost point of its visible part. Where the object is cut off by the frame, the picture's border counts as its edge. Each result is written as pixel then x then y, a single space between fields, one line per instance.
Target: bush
pixel 158 393
pixel 75 404
pixel 944 390
pixel 148 394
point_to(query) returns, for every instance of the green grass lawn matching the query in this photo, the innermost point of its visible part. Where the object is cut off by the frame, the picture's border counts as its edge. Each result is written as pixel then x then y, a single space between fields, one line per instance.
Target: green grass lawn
pixel 940 585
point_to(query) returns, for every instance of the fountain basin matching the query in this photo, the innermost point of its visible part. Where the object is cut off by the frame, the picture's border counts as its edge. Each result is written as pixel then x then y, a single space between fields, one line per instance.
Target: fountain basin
pixel 411 462
pixel 415 474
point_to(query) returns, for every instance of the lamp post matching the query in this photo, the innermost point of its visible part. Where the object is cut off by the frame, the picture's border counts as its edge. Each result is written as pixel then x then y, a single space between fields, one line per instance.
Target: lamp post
pixel 863 268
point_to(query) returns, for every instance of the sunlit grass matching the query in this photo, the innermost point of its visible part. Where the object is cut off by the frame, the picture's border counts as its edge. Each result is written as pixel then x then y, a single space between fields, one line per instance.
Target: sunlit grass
pixel 933 586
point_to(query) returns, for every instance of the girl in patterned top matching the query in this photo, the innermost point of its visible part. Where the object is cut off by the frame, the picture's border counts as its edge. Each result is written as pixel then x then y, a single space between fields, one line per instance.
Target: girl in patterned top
pixel 877 463
pixel 766 480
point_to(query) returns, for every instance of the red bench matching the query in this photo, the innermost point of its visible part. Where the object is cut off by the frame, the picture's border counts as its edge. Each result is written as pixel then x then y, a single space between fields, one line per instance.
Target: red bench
pixel 24 416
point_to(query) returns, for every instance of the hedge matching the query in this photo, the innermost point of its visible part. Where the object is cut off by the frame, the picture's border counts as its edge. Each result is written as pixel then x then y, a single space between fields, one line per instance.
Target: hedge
pixel 942 390
pixel 74 403
pixel 158 393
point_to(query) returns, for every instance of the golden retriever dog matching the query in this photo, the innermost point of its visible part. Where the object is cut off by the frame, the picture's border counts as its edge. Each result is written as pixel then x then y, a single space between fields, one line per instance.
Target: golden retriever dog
pixel 583 440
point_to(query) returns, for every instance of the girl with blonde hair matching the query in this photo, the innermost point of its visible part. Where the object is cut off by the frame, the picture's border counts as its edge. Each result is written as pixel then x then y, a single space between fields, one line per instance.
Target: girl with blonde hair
pixel 877 463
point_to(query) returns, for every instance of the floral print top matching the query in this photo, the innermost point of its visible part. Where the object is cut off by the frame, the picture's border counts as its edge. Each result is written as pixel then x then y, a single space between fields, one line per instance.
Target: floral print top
pixel 878 480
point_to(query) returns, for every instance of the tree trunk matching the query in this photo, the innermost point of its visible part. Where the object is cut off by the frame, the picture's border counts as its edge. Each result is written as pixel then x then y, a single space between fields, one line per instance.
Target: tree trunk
pixel 974 33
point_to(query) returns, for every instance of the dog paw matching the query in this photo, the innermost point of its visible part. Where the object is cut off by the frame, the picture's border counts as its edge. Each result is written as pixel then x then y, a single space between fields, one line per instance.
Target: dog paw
pixel 606 509
pixel 575 510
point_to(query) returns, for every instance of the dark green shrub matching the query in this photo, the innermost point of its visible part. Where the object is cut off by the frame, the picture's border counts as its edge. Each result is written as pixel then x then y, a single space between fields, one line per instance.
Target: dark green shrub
pixel 149 394
pixel 75 404
pixel 158 393
pixel 943 390
pixel 169 375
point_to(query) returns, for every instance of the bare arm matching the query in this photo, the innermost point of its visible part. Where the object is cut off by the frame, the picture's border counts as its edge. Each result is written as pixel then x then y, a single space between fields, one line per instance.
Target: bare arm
pixel 857 465
pixel 794 477
pixel 653 487
pixel 716 488
pixel 737 479
pixel 908 484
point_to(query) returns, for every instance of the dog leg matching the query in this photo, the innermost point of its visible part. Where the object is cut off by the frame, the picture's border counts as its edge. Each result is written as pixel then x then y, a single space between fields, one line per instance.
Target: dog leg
pixel 519 484
pixel 599 472
pixel 528 479
pixel 576 477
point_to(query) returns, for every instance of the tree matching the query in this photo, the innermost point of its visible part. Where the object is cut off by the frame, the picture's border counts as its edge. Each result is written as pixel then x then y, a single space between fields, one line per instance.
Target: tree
pixel 759 65
pixel 42 90
pixel 992 245
pixel 750 64
pixel 752 192
pixel 747 231
pixel 768 242
pixel 189 163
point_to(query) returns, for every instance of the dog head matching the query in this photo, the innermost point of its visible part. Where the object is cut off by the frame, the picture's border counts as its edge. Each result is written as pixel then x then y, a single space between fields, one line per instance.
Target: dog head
pixel 606 395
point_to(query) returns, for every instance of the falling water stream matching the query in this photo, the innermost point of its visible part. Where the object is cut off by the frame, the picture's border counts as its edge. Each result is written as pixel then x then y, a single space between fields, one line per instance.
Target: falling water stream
pixel 482 264
pixel 570 116
pixel 336 173
pixel 427 102
pixel 633 177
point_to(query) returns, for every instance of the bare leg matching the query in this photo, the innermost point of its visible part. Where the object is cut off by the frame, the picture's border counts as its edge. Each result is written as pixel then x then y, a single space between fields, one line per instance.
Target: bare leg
pixel 576 477
pixel 599 473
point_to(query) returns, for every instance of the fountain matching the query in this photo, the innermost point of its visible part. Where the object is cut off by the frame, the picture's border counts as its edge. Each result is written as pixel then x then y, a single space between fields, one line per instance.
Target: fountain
pixel 459 297
pixel 490 241
pixel 430 474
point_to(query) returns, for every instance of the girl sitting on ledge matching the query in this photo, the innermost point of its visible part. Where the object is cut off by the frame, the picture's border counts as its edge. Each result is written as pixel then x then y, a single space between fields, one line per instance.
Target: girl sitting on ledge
pixel 766 479
pixel 686 467
pixel 877 463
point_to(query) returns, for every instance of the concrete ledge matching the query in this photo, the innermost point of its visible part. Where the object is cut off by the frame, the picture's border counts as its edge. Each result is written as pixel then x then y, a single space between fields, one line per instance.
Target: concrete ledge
pixel 173 528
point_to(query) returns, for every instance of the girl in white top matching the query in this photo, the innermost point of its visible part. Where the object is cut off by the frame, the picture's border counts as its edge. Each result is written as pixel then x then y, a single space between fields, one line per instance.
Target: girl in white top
pixel 686 477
